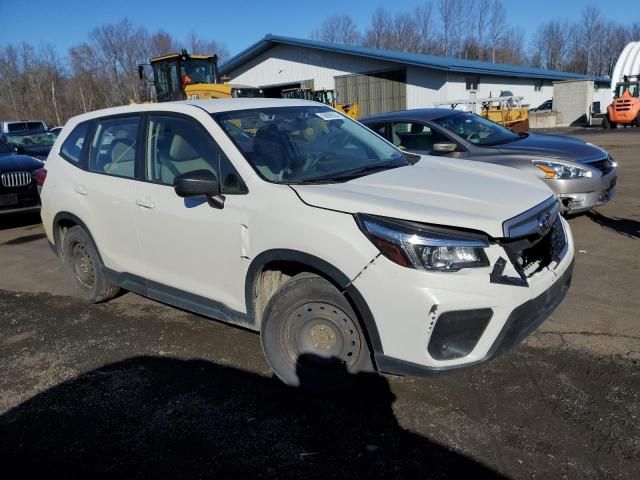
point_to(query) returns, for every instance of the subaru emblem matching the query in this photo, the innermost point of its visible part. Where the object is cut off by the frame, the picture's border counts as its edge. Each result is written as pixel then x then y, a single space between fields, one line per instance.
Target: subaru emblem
pixel 544 223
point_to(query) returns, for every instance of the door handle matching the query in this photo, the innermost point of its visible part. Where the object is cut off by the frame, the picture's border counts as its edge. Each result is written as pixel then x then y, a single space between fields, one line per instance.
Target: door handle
pixel 145 203
pixel 81 190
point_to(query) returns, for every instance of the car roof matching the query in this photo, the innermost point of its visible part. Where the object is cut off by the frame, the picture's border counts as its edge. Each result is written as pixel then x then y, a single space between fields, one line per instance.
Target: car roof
pixel 424 114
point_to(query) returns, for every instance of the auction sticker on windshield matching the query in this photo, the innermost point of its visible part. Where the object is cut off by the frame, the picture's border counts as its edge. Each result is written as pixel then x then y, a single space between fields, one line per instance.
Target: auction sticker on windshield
pixel 329 115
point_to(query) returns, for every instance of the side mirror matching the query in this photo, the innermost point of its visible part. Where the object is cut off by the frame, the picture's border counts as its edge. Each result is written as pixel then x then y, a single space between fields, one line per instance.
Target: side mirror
pixel 199 183
pixel 19 150
pixel 444 147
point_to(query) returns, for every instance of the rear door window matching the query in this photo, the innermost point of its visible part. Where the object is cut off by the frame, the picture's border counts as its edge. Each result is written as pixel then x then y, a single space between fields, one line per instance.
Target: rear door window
pixel 413 136
pixel 72 147
pixel 113 147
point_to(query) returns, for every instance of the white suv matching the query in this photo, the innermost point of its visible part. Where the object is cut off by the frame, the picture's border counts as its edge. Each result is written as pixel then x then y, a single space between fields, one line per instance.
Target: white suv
pixel 288 218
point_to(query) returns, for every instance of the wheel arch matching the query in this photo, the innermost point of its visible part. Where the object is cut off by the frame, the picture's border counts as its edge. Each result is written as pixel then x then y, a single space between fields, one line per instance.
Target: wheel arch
pixel 305 262
pixel 68 220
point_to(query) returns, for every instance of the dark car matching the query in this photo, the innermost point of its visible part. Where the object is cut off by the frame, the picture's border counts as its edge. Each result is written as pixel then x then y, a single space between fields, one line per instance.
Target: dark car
pixel 581 174
pixel 36 143
pixel 18 188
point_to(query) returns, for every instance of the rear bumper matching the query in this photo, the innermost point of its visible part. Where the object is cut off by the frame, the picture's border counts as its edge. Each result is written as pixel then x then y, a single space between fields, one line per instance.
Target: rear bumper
pixel 522 321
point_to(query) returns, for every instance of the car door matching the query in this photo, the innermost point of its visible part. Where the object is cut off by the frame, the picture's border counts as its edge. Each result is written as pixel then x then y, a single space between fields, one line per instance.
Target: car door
pixel 107 191
pixel 419 137
pixel 188 246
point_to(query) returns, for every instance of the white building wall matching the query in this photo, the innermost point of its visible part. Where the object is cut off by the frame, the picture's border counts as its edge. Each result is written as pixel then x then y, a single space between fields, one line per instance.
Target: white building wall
pixel 288 64
pixel 491 86
pixel 425 87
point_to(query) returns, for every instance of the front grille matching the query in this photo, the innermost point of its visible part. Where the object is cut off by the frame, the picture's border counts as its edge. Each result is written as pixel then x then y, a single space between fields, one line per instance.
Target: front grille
pixel 16 179
pixel 622 105
pixel 535 252
pixel 605 165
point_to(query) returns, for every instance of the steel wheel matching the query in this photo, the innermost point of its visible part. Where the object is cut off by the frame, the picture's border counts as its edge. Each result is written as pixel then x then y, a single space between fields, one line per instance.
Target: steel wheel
pixel 323 330
pixel 83 266
pixel 311 336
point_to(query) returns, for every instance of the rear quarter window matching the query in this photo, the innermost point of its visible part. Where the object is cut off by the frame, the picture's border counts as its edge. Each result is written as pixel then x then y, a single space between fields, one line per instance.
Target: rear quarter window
pixel 71 149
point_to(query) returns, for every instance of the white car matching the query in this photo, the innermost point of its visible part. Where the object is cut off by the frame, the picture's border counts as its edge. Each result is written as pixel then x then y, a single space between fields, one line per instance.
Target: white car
pixel 288 218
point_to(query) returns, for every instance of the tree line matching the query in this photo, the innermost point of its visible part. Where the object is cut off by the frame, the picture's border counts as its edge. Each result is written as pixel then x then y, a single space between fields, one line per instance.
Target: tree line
pixel 39 83
pixel 478 30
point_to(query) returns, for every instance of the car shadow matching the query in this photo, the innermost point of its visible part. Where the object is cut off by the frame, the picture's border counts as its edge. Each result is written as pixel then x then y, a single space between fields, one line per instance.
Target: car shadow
pixel 169 418
pixel 24 239
pixel 624 226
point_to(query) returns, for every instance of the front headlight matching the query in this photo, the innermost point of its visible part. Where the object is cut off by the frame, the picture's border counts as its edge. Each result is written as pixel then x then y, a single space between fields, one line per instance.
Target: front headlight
pixel 559 170
pixel 417 246
pixel 235 93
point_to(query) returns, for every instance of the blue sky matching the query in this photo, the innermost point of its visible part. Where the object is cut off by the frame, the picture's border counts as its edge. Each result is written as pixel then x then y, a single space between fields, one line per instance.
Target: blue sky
pixel 237 24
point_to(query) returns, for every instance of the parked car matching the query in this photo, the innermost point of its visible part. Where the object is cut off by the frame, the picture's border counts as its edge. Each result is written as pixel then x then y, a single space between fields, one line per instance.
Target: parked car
pixel 582 175
pixel 22 126
pixel 36 143
pixel 18 181
pixel 546 106
pixel 308 228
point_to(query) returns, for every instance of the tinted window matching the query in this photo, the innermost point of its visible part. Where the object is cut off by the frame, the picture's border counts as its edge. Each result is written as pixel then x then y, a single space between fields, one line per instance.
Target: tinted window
pixel 113 148
pixel 16 127
pixel 477 130
pixel 72 147
pixel 177 145
pixel 415 136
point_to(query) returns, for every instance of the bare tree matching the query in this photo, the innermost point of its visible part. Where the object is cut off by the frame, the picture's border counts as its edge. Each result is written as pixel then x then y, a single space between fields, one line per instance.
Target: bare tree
pixel 497 21
pixel 380 33
pixel 338 29
pixel 197 45
pixel 591 22
pixel 483 12
pixel 425 28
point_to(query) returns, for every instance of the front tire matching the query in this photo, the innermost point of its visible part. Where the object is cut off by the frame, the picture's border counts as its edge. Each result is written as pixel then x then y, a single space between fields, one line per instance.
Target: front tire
pixel 311 336
pixel 84 269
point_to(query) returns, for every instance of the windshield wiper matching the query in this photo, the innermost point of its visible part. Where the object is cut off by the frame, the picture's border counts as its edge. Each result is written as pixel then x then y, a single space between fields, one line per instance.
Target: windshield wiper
pixel 351 174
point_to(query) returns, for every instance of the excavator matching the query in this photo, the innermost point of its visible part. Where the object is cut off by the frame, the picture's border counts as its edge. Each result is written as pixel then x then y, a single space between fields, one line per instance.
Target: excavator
pixel 328 97
pixel 182 76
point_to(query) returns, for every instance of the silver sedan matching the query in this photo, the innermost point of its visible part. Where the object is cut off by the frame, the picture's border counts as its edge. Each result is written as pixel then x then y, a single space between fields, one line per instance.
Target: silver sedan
pixel 582 175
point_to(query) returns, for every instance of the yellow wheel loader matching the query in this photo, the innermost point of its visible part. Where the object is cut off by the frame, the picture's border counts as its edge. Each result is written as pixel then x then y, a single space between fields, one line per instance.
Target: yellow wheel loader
pixel 181 76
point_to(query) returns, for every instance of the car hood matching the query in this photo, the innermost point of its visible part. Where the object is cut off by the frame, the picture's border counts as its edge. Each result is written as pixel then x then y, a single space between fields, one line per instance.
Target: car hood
pixel 555 146
pixel 458 193
pixel 16 162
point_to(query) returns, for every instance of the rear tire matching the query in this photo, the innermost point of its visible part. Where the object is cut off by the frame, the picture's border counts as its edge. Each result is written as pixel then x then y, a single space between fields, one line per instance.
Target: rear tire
pixel 606 124
pixel 84 268
pixel 311 336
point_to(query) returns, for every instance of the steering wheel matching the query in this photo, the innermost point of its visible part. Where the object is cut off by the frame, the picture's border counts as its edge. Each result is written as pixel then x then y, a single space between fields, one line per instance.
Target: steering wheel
pixel 473 136
pixel 313 161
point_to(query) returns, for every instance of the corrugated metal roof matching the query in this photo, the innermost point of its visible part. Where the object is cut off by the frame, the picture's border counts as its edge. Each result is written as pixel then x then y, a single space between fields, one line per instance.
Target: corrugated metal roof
pixel 449 64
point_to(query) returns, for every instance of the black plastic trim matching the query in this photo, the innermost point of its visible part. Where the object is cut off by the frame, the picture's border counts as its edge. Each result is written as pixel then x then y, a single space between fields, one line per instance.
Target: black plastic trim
pixel 529 316
pixel 179 298
pixel 342 281
pixel 457 332
pixel 56 231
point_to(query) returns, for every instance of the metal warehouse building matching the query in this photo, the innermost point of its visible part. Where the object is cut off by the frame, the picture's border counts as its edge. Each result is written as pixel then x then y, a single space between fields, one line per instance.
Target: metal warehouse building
pixel 386 80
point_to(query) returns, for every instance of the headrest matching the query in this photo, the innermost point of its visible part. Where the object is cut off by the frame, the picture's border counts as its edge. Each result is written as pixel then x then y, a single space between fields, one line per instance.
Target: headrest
pixel 416 128
pixel 181 150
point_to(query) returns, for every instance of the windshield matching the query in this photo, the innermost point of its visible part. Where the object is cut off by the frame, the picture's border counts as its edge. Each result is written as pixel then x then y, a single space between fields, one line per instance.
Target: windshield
pixel 633 88
pixel 199 70
pixel 31 140
pixel 477 130
pixel 307 144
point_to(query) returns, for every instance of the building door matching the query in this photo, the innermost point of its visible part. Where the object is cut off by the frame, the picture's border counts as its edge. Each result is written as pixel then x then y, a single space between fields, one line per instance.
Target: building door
pixel 376 92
